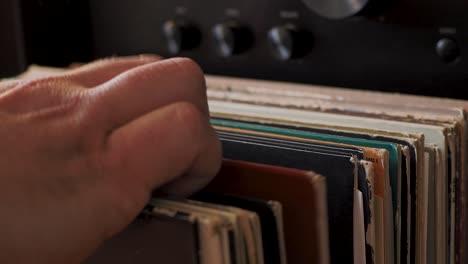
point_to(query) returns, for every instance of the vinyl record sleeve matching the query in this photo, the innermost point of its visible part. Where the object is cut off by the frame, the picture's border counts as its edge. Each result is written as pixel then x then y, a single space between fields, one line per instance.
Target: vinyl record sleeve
pixel 272 247
pixel 430 168
pixel 409 168
pixel 322 147
pixel 248 224
pixel 340 171
pixel 378 167
pixel 303 198
pixel 239 111
pixel 233 219
pixel 409 108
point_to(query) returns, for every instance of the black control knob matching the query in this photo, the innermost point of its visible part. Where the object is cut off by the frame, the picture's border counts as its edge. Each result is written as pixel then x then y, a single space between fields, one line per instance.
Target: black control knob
pixel 447 49
pixel 181 36
pixel 232 38
pixel 289 42
pixel 339 9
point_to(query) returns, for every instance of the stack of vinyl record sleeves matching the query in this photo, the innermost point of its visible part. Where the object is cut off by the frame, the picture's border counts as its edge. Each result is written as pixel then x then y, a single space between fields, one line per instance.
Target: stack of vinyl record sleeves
pixel 316 175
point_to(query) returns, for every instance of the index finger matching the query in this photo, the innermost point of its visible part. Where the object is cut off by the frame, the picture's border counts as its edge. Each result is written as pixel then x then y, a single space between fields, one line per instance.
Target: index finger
pixel 146 88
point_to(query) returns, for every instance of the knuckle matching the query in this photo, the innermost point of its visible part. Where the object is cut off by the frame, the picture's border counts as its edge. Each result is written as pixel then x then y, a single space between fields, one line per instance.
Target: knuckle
pixel 48 86
pixel 54 97
pixel 102 62
pixel 190 118
pixel 27 86
pixel 40 82
pixel 188 65
pixel 190 70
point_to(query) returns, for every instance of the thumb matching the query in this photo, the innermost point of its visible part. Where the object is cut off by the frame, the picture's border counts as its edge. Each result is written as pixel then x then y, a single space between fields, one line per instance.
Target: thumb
pixel 158 148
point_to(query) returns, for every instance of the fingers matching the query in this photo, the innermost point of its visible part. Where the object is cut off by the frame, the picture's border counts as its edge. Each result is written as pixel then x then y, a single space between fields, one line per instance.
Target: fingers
pixel 143 89
pixel 159 147
pixel 44 87
pixel 101 71
pixel 91 74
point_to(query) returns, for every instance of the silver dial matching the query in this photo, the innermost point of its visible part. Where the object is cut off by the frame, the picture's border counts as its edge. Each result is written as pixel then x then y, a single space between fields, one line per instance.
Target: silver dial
pixel 336 9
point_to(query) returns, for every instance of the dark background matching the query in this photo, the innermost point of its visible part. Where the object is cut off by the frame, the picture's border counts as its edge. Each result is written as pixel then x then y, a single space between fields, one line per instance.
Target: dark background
pixel 392 49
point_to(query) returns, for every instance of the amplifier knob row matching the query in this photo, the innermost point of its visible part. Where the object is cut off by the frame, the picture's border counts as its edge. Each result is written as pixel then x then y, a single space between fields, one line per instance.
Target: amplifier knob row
pixel 286 42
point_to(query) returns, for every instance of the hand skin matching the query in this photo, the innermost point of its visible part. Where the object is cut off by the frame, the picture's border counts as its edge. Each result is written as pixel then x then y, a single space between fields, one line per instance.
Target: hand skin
pixel 82 150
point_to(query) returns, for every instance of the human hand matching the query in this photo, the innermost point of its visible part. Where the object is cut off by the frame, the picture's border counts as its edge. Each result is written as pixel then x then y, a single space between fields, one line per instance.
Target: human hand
pixel 82 150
